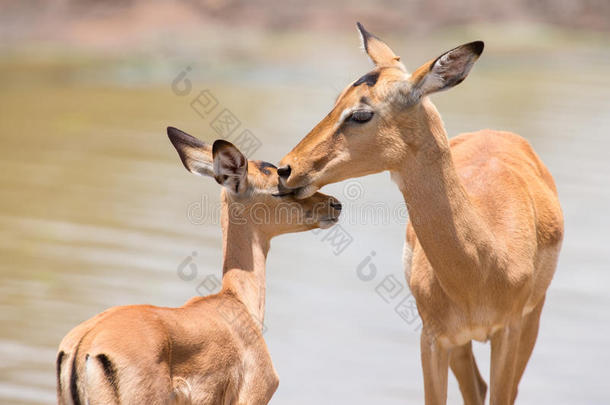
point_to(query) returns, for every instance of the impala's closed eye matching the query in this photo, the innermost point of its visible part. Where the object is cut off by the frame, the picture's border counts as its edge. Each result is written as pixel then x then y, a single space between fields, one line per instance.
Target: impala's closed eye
pixel 361 116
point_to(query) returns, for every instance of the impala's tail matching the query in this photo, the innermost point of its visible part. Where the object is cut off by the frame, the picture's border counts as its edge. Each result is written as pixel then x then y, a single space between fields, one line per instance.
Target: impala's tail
pixel 181 392
pixel 68 371
pixel 76 378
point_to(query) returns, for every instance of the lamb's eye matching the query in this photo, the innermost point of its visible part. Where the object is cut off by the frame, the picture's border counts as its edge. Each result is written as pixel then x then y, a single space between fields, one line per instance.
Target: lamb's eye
pixel 361 116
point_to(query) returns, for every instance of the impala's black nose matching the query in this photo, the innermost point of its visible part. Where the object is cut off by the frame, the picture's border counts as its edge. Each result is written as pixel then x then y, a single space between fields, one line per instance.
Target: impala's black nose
pixel 284 172
pixel 336 205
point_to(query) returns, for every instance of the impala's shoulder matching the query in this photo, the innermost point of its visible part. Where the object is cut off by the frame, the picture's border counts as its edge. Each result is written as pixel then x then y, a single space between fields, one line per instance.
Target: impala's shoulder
pixel 487 145
pixel 211 299
pixel 487 138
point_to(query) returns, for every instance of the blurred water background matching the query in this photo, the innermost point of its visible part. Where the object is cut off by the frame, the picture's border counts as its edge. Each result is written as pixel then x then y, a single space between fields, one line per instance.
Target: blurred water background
pixel 96 209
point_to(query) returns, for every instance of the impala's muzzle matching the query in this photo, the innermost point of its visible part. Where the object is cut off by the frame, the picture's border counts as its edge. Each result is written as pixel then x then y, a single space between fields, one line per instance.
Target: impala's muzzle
pixel 336 204
pixel 300 173
pixel 284 172
pixel 300 187
pixel 331 216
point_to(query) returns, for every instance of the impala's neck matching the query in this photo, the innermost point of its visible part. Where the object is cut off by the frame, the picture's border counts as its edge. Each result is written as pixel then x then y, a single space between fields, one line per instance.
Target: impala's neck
pixel 244 256
pixel 445 221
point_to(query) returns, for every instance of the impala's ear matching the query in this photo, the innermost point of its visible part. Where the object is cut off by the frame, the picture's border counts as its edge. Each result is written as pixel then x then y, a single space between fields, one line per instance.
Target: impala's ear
pixel 446 71
pixel 378 51
pixel 196 155
pixel 230 166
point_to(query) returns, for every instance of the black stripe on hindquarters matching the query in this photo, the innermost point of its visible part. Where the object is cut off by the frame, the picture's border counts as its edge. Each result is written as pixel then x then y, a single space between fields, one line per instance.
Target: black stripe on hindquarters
pixel 60 359
pixel 110 372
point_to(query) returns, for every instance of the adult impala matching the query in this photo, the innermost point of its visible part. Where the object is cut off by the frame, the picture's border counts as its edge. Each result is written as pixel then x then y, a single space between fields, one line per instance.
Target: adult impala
pixel 211 350
pixel 486 225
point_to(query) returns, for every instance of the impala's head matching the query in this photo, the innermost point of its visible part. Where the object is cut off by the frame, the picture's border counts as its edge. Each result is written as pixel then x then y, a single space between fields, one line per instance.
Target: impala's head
pixel 376 121
pixel 251 189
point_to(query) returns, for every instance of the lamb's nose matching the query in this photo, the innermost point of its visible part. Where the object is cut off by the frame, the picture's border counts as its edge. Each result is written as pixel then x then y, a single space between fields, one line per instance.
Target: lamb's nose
pixel 284 172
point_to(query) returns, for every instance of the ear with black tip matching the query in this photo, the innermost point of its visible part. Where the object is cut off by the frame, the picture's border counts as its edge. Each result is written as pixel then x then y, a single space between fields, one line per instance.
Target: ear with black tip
pixel 379 52
pixel 230 166
pixel 196 155
pixel 446 71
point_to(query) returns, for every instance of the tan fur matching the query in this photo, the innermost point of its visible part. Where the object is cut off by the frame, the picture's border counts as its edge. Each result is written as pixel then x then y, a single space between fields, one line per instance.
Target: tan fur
pixel 485 221
pixel 210 350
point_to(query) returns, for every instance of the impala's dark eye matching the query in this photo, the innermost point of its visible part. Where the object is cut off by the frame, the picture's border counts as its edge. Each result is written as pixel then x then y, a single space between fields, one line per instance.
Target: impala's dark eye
pixel 361 116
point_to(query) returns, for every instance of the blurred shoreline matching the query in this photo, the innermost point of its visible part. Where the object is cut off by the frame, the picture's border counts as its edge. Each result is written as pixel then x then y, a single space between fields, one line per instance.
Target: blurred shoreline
pixel 129 24
pixel 255 58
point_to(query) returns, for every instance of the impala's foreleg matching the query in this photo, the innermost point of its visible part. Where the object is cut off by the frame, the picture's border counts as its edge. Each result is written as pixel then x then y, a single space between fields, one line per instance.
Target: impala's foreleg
pixel 466 372
pixel 504 347
pixel 529 333
pixel 435 364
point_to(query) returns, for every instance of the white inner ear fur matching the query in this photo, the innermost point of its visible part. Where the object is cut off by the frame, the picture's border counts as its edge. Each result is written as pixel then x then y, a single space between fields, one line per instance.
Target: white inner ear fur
pixel 201 168
pixel 431 82
pixel 230 162
pixel 363 46
pixel 231 170
pixel 447 71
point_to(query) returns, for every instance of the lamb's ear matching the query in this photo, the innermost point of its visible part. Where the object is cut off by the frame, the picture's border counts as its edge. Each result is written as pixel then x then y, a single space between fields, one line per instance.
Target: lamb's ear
pixel 379 52
pixel 230 166
pixel 196 155
pixel 446 71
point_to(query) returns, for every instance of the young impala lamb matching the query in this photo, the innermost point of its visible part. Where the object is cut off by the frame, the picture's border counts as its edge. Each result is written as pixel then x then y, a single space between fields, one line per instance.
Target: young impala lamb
pixel 210 350
pixel 485 221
